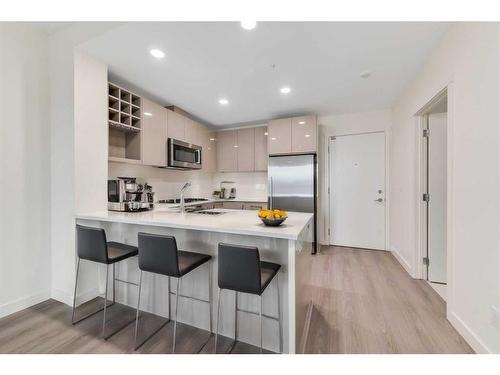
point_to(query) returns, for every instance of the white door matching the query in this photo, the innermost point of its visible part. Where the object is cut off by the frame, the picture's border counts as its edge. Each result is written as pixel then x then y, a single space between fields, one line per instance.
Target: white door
pixel 437 204
pixel 357 191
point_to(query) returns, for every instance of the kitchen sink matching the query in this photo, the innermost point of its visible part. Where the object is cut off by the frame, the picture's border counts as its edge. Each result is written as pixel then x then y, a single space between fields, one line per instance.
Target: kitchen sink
pixel 209 212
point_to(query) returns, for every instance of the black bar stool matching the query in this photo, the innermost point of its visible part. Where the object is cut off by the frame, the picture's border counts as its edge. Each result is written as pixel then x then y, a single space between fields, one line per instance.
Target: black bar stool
pixel 92 246
pixel 241 270
pixel 159 254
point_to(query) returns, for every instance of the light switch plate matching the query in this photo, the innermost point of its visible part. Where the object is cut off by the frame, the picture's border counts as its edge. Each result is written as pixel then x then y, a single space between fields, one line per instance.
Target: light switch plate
pixel 495 317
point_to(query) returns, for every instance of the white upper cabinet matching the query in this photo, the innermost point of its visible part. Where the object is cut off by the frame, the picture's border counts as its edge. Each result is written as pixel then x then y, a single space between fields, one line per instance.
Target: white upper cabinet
pixel 227 154
pixel 304 134
pixel 176 125
pixel 154 134
pixel 246 149
pixel 280 136
pixel 261 148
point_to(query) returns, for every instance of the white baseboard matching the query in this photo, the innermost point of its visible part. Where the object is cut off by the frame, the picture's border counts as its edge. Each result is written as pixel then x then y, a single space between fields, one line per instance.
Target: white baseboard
pixel 23 303
pixel 67 297
pixel 402 261
pixel 468 335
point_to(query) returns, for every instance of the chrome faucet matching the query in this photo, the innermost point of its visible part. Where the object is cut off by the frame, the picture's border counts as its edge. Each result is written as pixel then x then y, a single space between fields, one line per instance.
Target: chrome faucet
pixel 182 203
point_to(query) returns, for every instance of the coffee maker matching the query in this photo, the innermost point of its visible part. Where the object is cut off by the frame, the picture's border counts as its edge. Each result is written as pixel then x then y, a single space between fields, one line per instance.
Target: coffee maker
pixel 126 195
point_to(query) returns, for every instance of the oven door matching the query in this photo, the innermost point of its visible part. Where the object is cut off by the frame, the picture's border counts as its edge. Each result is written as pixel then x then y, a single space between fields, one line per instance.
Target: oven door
pixel 183 155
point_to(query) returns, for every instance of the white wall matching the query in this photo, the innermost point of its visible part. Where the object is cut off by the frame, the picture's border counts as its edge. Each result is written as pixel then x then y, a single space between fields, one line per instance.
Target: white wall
pixel 468 59
pixel 62 153
pixel 91 133
pixel 335 125
pixel 25 168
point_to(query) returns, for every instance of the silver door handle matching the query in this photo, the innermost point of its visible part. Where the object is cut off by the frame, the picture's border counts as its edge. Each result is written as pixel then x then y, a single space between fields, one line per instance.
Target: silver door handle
pixel 379 200
pixel 271 195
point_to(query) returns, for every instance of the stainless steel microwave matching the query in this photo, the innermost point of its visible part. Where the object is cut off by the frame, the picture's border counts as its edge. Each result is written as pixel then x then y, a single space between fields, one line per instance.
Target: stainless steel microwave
pixel 183 155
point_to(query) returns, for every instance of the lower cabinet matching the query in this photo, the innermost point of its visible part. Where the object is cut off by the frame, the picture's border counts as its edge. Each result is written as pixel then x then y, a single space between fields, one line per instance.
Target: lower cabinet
pixel 233 205
pixel 254 205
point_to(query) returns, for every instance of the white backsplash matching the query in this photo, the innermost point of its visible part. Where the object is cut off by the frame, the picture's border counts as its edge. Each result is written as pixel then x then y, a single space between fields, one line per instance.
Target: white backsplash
pixel 249 185
pixel 167 182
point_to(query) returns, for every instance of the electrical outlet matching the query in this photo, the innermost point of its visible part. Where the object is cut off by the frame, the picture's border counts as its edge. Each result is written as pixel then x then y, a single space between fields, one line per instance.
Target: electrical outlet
pixel 495 317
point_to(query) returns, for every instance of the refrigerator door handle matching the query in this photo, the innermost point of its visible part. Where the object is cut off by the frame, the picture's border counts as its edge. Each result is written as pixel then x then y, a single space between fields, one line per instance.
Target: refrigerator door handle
pixel 271 205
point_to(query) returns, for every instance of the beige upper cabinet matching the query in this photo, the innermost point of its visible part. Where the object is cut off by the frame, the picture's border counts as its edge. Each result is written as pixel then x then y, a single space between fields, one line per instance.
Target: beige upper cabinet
pixel 279 136
pixel 193 132
pixel 227 154
pixel 209 151
pixel 176 125
pixel 154 134
pixel 304 134
pixel 261 148
pixel 246 149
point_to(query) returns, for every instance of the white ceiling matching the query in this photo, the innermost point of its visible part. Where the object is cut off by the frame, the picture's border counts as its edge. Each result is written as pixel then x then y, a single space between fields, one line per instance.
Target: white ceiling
pixel 50 28
pixel 321 62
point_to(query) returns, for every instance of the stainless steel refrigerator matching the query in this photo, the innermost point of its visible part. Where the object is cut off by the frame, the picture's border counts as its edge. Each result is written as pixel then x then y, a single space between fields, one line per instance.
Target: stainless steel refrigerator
pixel 292 185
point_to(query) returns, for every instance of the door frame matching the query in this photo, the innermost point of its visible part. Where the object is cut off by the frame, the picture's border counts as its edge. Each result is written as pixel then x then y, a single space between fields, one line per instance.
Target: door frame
pixel 386 182
pixel 420 178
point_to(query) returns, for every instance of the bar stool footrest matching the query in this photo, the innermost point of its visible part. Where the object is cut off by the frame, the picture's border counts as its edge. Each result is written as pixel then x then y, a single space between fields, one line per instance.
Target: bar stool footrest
pixel 152 334
pixel 73 322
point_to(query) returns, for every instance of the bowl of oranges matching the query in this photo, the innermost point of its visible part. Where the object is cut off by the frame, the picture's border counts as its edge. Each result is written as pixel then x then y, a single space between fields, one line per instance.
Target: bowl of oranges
pixel 272 218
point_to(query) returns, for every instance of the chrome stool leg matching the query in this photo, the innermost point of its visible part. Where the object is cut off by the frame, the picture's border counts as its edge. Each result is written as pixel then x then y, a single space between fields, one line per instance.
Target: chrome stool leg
pixel 73 321
pixel 169 305
pixel 176 311
pixel 137 346
pixel 235 322
pixel 114 279
pixel 105 304
pixel 260 315
pixel 280 323
pixel 235 316
pixel 74 295
pixel 210 296
pixel 137 312
pixel 217 321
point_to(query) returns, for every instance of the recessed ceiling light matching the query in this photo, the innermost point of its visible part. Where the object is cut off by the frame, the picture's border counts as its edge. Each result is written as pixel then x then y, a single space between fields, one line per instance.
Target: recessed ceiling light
pixel 302 122
pixel 308 135
pixel 212 139
pixel 223 101
pixel 273 139
pixel 266 134
pixel 148 114
pixel 365 74
pixel 157 53
pixel 235 146
pixel 249 25
pixel 285 90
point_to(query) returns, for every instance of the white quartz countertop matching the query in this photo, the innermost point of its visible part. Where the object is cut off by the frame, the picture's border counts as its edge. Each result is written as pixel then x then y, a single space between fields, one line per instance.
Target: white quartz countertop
pixel 231 221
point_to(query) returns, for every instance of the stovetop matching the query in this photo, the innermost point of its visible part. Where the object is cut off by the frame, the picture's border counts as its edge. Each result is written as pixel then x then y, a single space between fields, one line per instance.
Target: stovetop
pixel 187 200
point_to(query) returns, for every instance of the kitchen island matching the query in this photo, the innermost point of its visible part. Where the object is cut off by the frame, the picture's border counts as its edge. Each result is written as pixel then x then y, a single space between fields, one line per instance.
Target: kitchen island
pixel 289 245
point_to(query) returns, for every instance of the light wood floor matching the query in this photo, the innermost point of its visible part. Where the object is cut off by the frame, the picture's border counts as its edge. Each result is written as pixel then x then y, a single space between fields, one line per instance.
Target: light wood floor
pixel 46 328
pixel 365 302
